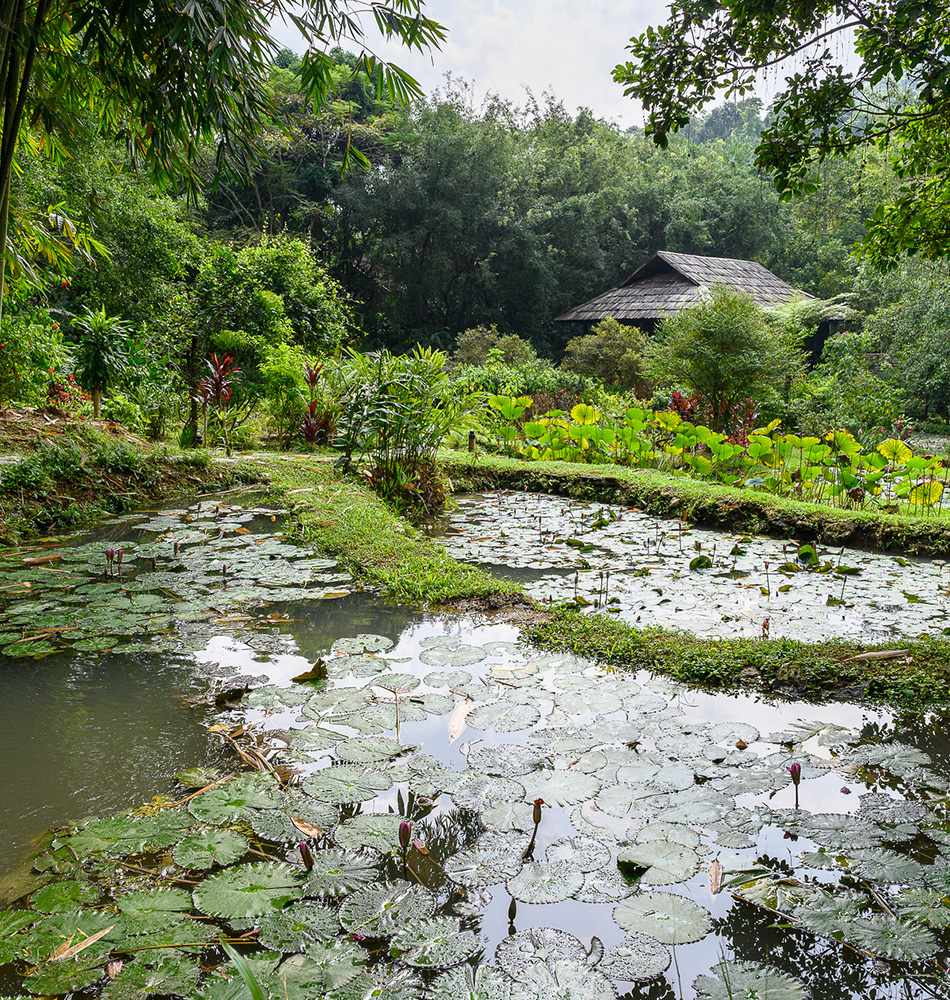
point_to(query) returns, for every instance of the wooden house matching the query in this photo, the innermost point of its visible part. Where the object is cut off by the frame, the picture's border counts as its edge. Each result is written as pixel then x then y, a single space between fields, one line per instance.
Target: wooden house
pixel 668 282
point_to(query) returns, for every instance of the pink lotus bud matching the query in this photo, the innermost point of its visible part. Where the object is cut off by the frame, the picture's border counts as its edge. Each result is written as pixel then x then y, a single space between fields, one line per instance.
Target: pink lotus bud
pixel 537 810
pixel 420 847
pixel 795 770
pixel 113 969
pixel 306 855
pixel 405 834
pixel 175 547
pixel 118 556
pixel 845 790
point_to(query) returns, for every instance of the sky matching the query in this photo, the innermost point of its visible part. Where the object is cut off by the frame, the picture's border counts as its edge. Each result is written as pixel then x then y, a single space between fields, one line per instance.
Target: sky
pixel 504 46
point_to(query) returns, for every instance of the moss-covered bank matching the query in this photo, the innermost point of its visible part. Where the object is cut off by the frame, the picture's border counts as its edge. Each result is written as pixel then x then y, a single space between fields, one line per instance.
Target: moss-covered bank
pixel 341 517
pixel 915 672
pixel 64 485
pixel 706 503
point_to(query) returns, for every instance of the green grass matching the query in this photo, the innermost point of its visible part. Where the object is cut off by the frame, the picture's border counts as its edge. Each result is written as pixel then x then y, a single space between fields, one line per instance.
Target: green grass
pixel 706 503
pixel 776 666
pixel 342 517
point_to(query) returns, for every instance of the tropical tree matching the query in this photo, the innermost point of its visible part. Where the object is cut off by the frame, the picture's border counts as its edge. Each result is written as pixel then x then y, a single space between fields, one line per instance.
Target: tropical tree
pixel 857 73
pixel 724 350
pixel 170 76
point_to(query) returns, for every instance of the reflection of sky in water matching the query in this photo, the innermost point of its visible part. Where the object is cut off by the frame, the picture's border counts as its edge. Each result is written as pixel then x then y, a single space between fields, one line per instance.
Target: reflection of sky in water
pixel 523 536
pixel 820 790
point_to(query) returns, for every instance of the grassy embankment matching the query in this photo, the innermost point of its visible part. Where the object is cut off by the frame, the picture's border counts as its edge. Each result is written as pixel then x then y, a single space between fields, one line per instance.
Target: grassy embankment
pixel 776 666
pixel 706 503
pixel 72 480
pixel 344 518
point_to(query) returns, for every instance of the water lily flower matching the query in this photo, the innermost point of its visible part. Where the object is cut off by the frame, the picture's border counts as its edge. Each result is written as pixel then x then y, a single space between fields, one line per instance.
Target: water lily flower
pixel 795 770
pixel 420 847
pixel 537 810
pixel 306 855
pixel 405 834
pixel 114 968
pixel 845 790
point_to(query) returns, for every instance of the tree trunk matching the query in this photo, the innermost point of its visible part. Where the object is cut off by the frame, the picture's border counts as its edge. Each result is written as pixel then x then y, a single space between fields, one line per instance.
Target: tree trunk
pixel 96 401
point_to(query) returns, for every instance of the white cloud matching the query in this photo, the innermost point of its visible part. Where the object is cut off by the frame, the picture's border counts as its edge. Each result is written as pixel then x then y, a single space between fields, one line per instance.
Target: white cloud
pixel 503 46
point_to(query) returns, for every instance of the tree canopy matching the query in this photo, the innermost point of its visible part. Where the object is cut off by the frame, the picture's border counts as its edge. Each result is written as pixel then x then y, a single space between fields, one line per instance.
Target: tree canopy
pixel 857 73
pixel 168 78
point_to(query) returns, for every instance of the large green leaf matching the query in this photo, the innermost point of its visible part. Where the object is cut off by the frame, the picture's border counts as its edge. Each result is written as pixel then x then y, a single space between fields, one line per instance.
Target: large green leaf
pixel 380 911
pixel 210 847
pixel 545 882
pixel 240 894
pixel 433 944
pixel 638 957
pixel 669 918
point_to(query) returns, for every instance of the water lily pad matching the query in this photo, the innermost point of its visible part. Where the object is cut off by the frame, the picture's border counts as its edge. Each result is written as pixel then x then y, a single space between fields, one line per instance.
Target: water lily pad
pixel 383 910
pixel 363 643
pixel 368 750
pixel 480 982
pixel 240 894
pixel 149 910
pixel 605 885
pixel 669 918
pixel 380 832
pixel 748 981
pixel 168 977
pixel 210 847
pixel 560 788
pixel 585 853
pixel 638 958
pixel 491 860
pixel 507 760
pixel 336 873
pixel 433 944
pixel 570 980
pixel 545 882
pixel 235 798
pixel 504 717
pixel 477 791
pixel 66 895
pixel 452 656
pixel 297 926
pixel 662 862
pixel 537 946
pixel 347 783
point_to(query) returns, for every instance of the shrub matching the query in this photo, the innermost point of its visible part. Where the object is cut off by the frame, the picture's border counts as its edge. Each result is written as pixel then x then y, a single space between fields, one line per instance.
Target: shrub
pixel 477 345
pixel 31 346
pixel 725 351
pixel 611 351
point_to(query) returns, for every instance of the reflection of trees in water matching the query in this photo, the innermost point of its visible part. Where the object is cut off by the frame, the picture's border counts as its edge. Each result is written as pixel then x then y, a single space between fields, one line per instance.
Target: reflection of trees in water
pixel 829 971
pixel 317 624
pixel 655 989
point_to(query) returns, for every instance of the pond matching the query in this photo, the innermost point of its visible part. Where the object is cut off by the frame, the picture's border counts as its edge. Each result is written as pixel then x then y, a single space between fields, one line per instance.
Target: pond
pixel 575 832
pixel 670 573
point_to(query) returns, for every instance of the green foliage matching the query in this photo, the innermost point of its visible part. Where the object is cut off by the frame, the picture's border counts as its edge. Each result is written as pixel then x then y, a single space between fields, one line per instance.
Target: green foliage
pixel 894 90
pixel 832 469
pixel 284 390
pixel 613 352
pixel 476 345
pixel 31 347
pixel 103 353
pixel 724 350
pixel 395 410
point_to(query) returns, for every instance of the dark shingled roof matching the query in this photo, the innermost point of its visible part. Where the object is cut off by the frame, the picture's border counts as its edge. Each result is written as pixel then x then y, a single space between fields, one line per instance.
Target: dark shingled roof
pixel 668 282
